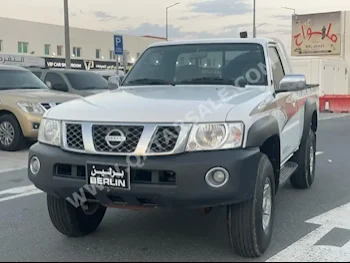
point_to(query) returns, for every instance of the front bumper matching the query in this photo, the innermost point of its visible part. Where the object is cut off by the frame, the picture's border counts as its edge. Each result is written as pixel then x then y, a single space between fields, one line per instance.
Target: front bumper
pixel 189 190
pixel 30 125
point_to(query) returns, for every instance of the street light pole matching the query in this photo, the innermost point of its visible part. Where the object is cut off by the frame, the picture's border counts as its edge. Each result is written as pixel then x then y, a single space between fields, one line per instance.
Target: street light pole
pixel 66 34
pixel 289 9
pixel 254 19
pixel 166 19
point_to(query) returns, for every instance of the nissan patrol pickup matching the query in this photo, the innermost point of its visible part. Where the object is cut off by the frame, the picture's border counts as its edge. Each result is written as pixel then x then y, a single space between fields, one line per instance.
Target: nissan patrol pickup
pixel 195 124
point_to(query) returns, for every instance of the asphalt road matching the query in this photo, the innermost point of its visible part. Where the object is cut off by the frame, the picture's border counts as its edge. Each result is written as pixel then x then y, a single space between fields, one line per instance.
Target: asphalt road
pixel 26 233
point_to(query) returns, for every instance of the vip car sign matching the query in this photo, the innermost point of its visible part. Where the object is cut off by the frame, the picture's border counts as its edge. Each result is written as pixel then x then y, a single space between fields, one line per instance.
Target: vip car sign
pixel 118 45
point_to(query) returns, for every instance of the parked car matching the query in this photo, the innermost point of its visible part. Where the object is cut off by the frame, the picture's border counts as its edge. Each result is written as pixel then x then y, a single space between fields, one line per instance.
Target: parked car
pixel 24 99
pixel 110 73
pixel 79 82
pixel 229 134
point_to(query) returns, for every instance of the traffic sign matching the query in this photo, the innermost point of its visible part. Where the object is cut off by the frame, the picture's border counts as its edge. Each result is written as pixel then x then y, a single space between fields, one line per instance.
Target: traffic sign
pixel 118 45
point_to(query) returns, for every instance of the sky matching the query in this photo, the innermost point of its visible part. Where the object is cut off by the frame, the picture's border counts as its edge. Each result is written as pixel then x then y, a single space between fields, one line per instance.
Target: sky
pixel 188 20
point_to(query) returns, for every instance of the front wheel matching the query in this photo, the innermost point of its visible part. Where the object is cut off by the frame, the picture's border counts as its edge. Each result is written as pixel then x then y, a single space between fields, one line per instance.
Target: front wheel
pixel 305 157
pixel 11 137
pixel 71 221
pixel 250 224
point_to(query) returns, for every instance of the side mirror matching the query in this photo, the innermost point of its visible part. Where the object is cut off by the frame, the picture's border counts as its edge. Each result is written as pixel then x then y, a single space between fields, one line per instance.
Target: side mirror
pixel 113 82
pixel 60 87
pixel 292 82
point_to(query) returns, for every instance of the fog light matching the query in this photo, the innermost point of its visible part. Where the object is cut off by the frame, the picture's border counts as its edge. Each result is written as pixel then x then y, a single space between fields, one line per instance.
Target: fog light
pixel 34 165
pixel 217 177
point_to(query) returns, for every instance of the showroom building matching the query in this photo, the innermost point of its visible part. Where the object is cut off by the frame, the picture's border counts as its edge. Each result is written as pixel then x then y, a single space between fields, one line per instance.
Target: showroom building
pixel 89 48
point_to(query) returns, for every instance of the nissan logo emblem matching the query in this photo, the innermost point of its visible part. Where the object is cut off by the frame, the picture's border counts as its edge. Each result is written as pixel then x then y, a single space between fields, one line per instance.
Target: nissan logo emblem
pixel 115 138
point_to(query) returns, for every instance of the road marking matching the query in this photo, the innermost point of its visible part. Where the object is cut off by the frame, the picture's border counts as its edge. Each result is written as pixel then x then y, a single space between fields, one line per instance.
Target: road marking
pixel 6 170
pixel 305 248
pixel 19 192
pixel 319 153
pixel 334 117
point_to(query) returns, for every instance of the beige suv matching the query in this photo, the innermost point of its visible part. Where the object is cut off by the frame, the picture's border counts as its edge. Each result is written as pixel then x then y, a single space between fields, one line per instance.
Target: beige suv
pixel 24 98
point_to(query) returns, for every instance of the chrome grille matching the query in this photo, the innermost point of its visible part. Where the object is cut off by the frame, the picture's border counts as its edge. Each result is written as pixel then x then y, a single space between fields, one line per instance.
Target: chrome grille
pixel 132 136
pixel 126 139
pixel 165 139
pixel 74 136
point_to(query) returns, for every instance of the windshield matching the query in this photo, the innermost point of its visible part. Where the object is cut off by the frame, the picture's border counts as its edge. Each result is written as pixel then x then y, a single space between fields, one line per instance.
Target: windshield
pixel 19 79
pixel 213 64
pixel 86 80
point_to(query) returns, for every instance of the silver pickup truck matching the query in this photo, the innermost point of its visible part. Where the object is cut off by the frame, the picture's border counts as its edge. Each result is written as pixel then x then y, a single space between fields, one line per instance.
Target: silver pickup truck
pixel 195 124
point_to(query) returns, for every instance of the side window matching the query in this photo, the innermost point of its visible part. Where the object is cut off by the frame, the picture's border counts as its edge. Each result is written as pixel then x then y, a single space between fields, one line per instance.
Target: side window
pixel 277 67
pixel 55 82
pixel 37 73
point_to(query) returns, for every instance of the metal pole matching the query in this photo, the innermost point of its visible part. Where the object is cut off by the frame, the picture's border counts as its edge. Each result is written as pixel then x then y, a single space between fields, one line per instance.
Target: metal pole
pixel 117 62
pixel 66 34
pixel 166 19
pixel 166 24
pixel 254 20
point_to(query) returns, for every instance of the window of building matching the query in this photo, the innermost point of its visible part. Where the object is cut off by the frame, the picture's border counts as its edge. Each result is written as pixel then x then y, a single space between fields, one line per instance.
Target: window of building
pixel 47 49
pixel 111 55
pixel 77 52
pixel 98 53
pixel 23 47
pixel 59 50
pixel 277 67
pixel 1 48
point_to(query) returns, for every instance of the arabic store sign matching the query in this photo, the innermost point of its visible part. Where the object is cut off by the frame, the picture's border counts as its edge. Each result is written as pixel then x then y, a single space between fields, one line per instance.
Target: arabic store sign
pixel 21 61
pixel 316 34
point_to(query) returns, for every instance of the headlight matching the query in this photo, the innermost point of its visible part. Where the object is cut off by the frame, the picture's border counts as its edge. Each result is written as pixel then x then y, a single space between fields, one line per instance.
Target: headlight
pixel 215 136
pixel 31 107
pixel 50 132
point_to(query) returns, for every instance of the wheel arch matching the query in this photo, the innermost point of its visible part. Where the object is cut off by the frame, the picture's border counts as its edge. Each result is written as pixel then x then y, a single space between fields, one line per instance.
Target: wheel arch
pixel 310 118
pixel 265 134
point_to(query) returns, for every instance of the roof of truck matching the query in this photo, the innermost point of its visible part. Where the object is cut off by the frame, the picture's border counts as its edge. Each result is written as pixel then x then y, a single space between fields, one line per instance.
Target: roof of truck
pixel 261 41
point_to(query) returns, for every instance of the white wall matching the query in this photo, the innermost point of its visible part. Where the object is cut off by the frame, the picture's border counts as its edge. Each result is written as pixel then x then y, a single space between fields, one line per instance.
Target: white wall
pixel 39 34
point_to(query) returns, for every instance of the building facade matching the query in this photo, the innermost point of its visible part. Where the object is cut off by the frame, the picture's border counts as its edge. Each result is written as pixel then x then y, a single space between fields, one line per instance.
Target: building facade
pixel 26 38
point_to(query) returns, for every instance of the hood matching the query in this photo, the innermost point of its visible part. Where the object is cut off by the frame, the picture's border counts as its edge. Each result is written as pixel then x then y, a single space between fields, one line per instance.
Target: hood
pixel 165 104
pixel 90 92
pixel 38 95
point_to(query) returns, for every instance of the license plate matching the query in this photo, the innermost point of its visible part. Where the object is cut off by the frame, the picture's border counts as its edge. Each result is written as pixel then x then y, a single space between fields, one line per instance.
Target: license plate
pixel 109 175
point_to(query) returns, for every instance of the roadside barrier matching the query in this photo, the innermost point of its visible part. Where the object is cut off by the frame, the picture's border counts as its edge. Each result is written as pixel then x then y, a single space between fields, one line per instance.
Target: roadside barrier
pixel 335 103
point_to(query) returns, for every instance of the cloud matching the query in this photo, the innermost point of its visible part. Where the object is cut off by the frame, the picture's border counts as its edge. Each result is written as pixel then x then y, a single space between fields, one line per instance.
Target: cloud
pixel 283 17
pixel 151 29
pixel 103 16
pixel 185 18
pixel 222 7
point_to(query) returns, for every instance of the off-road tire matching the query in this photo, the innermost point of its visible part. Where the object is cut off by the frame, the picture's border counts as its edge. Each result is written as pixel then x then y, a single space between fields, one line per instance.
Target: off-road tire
pixel 18 140
pixel 71 221
pixel 245 220
pixel 302 177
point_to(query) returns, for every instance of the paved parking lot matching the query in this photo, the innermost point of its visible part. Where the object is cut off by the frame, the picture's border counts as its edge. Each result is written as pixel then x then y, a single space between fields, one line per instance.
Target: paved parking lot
pixel 307 226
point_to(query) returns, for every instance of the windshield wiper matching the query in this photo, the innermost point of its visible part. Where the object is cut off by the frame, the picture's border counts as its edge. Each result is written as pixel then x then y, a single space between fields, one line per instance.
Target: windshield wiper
pixel 20 88
pixel 211 80
pixel 30 88
pixel 91 88
pixel 150 81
